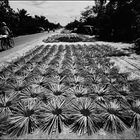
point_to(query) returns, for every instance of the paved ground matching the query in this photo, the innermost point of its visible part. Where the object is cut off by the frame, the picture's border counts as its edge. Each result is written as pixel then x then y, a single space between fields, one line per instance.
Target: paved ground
pixel 24 43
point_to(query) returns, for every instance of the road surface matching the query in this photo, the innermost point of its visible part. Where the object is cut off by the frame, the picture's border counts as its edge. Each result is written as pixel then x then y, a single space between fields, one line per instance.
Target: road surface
pixel 26 41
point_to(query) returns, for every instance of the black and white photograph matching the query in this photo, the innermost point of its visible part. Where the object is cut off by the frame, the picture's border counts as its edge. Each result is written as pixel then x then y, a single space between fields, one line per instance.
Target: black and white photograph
pixel 69 69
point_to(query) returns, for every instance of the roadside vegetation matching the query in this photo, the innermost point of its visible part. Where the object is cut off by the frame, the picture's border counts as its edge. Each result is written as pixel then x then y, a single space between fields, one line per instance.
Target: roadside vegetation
pixel 111 20
pixel 68 37
pixel 71 85
pixel 54 87
pixel 22 23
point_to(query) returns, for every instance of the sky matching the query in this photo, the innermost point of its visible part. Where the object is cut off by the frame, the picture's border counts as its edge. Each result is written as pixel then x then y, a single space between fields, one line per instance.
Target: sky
pixel 55 11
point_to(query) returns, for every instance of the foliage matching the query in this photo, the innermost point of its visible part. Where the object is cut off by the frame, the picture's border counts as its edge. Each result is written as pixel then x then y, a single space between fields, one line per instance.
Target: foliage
pixel 3 126
pixel 54 115
pixel 112 20
pixel 23 119
pixel 114 117
pixel 75 86
pixel 84 117
pixel 64 38
pixel 134 110
pixel 68 38
pixel 20 22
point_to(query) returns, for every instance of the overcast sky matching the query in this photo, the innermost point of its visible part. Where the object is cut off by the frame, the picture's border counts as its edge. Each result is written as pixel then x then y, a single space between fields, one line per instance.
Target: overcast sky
pixel 55 11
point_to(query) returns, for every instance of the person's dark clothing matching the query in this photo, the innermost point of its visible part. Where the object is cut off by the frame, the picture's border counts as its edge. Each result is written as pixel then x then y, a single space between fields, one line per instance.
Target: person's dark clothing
pixel 5 30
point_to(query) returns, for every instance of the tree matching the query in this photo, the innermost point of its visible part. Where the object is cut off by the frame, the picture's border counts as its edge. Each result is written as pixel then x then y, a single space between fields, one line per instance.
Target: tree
pixel 21 22
pixel 114 20
pixel 22 13
pixel 73 25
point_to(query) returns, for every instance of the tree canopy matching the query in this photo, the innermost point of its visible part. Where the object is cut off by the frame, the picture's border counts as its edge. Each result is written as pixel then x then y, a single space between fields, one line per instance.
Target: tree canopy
pixel 117 20
pixel 21 22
